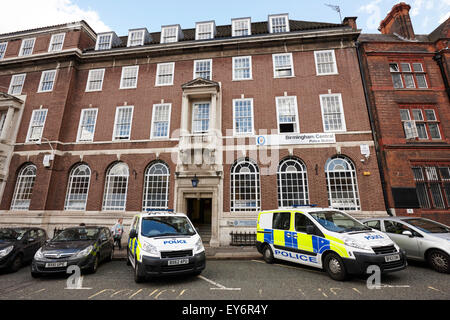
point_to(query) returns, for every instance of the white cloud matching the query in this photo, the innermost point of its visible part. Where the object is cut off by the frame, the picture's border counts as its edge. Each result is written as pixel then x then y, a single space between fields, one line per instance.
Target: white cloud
pixel 28 14
pixel 416 7
pixel 374 11
pixel 444 17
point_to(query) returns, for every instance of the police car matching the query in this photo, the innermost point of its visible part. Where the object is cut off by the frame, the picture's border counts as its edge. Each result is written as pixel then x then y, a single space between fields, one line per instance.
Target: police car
pixel 164 243
pixel 325 238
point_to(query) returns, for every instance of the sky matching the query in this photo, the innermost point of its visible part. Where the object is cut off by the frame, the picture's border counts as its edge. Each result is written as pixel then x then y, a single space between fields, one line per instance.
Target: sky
pixel 121 15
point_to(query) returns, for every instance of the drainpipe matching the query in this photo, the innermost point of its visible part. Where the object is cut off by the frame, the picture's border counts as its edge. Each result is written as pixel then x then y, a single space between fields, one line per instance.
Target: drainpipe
pixel 372 126
pixel 438 58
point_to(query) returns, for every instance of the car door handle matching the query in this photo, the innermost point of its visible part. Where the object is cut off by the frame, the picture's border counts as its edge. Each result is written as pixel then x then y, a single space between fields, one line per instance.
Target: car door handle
pixel 288 235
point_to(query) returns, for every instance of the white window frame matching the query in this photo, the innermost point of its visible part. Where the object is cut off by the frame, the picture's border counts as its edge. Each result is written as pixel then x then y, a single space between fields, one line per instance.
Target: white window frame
pixel 252 131
pixel 210 69
pixel 297 123
pixel 158 71
pixel 197 29
pixel 10 90
pixel 233 26
pixel 297 177
pixel 235 180
pixel 32 125
pixel 275 16
pixel 22 47
pixel 334 63
pixel 75 186
pixel 344 127
pixel 3 52
pixel 80 124
pixel 107 204
pixel 250 67
pixel 53 38
pixel 137 31
pixel 41 82
pixel 149 185
pixel 115 136
pixel 24 183
pixel 155 106
pixel 209 118
pixel 275 70
pixel 89 79
pixel 122 77
pixel 164 29
pixel 97 43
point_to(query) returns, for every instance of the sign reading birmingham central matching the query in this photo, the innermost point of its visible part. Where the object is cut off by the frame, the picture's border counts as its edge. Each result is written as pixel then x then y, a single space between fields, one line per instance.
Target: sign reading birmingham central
pixel 300 138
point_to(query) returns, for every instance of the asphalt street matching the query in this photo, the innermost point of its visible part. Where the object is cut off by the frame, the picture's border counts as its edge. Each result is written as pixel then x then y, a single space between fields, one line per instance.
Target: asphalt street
pixel 229 280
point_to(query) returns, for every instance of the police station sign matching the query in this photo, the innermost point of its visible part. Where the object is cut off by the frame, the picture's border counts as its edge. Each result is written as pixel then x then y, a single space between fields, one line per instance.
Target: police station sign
pixel 300 138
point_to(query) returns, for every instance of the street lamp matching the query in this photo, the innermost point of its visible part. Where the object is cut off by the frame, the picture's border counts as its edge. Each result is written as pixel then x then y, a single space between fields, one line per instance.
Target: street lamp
pixel 194 181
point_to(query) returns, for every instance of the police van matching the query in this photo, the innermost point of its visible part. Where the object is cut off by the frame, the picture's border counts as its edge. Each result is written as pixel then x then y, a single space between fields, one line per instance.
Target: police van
pixel 162 242
pixel 325 238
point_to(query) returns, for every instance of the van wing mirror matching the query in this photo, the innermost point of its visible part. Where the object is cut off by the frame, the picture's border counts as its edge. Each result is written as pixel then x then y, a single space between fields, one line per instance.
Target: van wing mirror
pixel 133 234
pixel 407 233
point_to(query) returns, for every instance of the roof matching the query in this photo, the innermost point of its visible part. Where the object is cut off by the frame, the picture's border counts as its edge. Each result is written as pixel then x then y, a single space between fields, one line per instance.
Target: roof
pixel 224 31
pixel 43 29
pixel 442 31
pixel 377 37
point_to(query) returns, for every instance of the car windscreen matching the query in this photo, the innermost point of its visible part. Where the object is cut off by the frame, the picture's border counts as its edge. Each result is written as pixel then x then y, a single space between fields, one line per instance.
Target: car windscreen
pixel 338 222
pixel 12 234
pixel 77 234
pixel 166 226
pixel 428 226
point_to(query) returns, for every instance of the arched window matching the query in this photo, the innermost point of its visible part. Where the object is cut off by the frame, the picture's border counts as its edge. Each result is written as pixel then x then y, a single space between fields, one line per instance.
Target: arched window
pixel 156 186
pixel 78 188
pixel 292 183
pixel 116 185
pixel 342 186
pixel 245 195
pixel 24 188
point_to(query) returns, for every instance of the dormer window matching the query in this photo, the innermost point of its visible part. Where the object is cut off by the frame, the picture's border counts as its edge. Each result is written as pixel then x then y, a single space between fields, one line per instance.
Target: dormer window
pixel 278 23
pixel 205 30
pixel 27 47
pixel 170 34
pixel 241 27
pixel 138 37
pixel 106 41
pixel 56 42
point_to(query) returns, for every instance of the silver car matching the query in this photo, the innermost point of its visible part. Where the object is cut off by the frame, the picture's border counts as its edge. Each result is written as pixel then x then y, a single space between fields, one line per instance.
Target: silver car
pixel 422 239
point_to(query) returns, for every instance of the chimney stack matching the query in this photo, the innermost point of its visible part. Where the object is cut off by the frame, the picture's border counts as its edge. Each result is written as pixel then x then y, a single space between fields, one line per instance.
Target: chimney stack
pixel 351 22
pixel 398 22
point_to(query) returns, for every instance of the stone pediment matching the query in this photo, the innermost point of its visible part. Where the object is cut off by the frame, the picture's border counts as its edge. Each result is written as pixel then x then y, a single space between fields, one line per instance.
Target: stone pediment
pixel 199 83
pixel 6 96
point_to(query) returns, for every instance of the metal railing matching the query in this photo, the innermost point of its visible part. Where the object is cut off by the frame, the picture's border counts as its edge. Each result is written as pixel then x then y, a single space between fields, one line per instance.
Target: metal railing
pixel 243 238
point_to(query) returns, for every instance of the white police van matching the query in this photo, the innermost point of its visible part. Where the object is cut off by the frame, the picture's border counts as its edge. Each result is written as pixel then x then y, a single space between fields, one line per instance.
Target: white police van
pixel 162 242
pixel 325 238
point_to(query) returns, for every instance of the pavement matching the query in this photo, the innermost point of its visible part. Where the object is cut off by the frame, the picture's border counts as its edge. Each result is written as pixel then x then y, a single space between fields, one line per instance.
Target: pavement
pixel 212 253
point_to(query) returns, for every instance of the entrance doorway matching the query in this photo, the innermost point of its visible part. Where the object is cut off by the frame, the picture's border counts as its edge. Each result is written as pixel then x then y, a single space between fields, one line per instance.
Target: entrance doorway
pixel 200 212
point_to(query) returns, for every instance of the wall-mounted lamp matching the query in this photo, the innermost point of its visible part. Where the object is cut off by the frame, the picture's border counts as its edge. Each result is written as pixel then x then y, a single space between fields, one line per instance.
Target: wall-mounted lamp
pixel 96 174
pixel 194 181
pixel 135 174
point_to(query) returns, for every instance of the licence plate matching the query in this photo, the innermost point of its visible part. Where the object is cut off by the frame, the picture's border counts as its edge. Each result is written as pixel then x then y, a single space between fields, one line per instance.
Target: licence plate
pixel 394 257
pixel 178 261
pixel 56 264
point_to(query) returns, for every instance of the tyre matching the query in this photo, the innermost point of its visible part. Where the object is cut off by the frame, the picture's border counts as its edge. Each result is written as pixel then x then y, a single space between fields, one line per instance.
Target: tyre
pixel 138 277
pixel 93 268
pixel 268 254
pixel 16 263
pixel 111 255
pixel 128 259
pixel 439 261
pixel 334 266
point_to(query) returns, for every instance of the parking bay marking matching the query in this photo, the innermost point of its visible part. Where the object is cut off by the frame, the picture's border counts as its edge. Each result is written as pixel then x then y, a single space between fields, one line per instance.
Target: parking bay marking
pixel 218 285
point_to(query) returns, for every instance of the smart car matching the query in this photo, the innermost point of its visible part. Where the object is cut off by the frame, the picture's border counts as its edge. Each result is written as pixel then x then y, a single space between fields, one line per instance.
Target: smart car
pixel 83 246
pixel 422 239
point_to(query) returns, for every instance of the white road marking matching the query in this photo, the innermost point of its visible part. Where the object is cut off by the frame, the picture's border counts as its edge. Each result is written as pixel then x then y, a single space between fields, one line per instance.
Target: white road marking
pixel 218 285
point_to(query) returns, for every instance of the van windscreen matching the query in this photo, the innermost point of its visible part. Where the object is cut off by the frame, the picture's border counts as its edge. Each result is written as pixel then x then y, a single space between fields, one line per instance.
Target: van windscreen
pixel 166 226
pixel 338 222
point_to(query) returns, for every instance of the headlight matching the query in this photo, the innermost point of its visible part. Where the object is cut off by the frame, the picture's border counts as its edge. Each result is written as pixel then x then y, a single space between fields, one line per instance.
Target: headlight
pixel 352 243
pixel 83 253
pixel 39 254
pixel 6 251
pixel 199 246
pixel 149 248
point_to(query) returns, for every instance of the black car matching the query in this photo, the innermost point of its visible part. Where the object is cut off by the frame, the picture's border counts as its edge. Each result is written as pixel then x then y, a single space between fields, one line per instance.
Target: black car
pixel 18 245
pixel 83 246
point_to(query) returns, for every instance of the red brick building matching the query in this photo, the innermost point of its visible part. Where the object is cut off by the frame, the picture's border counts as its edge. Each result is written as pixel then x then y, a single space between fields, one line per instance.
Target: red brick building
pixel 216 121
pixel 408 89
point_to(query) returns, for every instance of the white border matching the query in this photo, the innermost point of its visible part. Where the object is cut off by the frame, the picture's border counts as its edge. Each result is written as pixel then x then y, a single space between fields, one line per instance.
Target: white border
pixel 11 82
pixel 168 121
pixel 296 115
pixel 334 63
pixel 52 39
pixel 344 126
pixel 79 124
pixel 42 78
pixel 272 16
pixel 29 126
pixel 6 47
pixel 210 71
pixel 233 27
pixel 292 65
pixel 21 47
pixel 251 69
pixel 89 79
pixel 157 74
pixel 142 31
pixel 121 77
pixel 115 123
pixel 240 134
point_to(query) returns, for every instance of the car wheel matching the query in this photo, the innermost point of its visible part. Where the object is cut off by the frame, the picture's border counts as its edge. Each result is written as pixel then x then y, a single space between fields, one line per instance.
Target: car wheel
pixel 16 263
pixel 128 258
pixel 334 266
pixel 439 261
pixel 268 254
pixel 111 255
pixel 94 266
pixel 138 277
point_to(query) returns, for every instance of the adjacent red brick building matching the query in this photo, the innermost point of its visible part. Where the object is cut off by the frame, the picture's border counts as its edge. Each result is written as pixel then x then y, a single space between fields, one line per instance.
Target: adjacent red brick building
pixel 406 76
pixel 217 121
